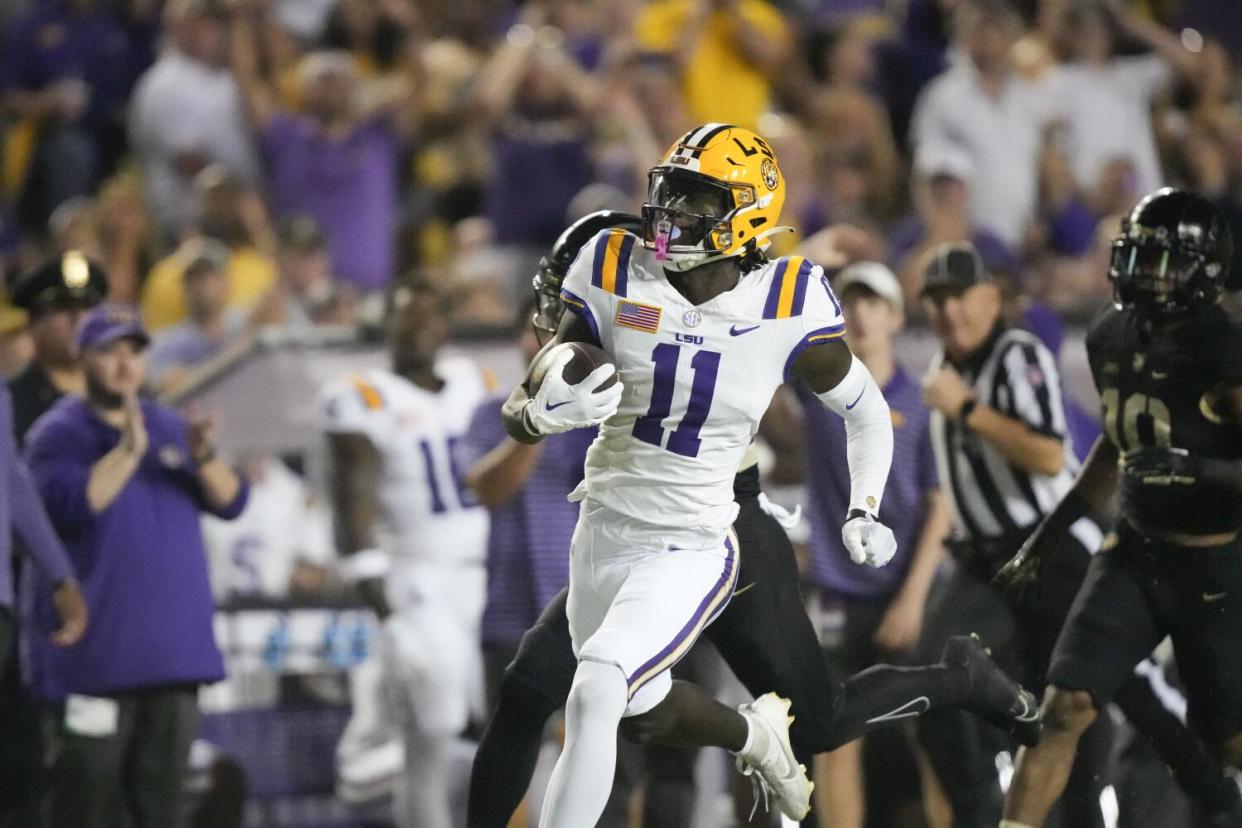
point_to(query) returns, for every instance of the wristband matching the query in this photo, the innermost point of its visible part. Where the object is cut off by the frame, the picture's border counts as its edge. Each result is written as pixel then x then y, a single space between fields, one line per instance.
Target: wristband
pixel 859 513
pixel 364 565
pixel 966 410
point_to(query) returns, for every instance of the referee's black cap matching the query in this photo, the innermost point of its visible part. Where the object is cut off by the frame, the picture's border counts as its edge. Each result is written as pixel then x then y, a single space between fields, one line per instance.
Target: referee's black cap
pixel 955 266
pixel 68 280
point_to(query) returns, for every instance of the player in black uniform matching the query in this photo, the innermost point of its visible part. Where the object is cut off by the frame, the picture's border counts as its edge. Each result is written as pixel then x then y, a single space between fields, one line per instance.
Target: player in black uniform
pixel 764 635
pixel 1168 364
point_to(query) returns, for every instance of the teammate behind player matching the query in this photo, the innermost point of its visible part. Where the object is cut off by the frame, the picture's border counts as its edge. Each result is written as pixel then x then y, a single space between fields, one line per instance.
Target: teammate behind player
pixel 1167 361
pixel 413 535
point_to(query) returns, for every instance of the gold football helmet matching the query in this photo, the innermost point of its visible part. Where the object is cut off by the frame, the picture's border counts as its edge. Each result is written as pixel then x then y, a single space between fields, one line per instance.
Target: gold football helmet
pixel 717 192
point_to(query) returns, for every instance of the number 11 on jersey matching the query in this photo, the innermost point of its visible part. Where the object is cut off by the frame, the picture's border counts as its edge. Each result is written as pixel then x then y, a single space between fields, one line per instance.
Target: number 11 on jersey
pixel 685 438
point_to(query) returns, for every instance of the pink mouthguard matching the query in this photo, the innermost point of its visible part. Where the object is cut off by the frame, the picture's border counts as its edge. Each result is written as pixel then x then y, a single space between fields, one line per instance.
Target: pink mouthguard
pixel 661 246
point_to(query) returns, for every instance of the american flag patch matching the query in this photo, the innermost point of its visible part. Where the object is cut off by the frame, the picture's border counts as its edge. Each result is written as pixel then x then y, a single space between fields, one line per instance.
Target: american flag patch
pixel 638 316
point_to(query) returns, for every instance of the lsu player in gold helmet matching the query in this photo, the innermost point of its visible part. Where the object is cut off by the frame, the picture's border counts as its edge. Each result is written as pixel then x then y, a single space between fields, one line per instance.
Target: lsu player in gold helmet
pixel 717 193
pixel 702 329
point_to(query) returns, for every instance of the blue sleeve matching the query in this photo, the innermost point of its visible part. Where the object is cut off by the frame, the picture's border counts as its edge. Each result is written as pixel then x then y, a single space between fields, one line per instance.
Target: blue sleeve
pixel 30 520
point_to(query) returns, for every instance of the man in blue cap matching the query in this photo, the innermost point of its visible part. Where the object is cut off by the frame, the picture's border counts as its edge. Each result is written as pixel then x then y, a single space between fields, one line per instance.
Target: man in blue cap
pixel 124 481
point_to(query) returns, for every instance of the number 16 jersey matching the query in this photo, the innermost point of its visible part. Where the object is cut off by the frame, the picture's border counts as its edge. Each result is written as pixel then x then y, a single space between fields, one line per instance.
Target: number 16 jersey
pixel 698 378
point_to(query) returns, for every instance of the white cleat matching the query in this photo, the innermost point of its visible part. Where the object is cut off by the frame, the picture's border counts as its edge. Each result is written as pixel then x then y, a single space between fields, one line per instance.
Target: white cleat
pixel 770 761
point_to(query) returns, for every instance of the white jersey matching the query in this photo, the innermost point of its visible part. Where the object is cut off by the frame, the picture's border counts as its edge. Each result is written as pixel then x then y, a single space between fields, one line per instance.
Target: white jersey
pixel 428 513
pixel 697 378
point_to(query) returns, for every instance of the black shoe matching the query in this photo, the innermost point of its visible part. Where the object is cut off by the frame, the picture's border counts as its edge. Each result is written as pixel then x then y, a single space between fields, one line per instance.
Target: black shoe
pixel 991 693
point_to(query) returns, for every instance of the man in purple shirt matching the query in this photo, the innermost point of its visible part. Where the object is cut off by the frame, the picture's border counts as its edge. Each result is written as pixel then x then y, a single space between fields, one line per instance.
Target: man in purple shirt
pixel 865 615
pixel 337 163
pixel 124 482
pixel 22 514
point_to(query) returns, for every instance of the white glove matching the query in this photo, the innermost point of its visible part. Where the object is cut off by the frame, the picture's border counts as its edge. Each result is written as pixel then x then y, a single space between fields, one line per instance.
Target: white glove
pixel 558 406
pixel 868 541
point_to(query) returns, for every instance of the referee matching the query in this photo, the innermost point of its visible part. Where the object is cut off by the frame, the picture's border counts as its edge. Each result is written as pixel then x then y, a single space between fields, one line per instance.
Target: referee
pixel 999 436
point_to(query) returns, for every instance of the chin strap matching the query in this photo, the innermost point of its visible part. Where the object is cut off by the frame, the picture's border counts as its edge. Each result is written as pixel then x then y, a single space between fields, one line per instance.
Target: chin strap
pixel 762 241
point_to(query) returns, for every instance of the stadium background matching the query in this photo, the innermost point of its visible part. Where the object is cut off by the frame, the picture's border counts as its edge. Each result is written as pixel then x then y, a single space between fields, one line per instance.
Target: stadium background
pixel 125 134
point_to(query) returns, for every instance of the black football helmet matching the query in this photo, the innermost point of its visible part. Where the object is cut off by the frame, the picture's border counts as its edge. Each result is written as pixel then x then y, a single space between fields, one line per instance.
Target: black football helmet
pixel 554 266
pixel 1172 255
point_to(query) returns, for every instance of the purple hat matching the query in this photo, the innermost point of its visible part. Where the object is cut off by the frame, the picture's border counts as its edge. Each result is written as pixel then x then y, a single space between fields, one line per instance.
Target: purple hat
pixel 108 323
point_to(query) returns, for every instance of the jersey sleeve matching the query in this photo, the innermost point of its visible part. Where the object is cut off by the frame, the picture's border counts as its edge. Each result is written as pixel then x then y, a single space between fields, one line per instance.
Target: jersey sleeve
pixel 597 277
pixel 800 291
pixel 352 405
pixel 1033 386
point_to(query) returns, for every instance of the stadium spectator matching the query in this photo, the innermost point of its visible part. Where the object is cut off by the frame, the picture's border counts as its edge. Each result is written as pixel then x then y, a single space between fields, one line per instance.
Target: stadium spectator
pixel 306 294
pixel 65 76
pixel 210 325
pixel 982 105
pixel 338 162
pixel 941 194
pixel 867 615
pixel 122 703
pixel 225 211
pixel 538 104
pixel 727 53
pixel 1106 99
pixel 55 296
pixel 176 135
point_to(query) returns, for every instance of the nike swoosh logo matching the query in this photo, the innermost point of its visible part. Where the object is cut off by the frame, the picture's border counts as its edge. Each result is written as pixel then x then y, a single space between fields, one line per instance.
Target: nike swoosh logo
pixel 553 406
pixel 850 407
pixel 1158 375
pixel 912 708
pixel 740 590
pixel 1209 598
pixel 734 331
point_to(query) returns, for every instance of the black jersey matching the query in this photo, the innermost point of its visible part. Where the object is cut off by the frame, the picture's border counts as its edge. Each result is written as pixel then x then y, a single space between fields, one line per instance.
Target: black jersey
pixel 1155 390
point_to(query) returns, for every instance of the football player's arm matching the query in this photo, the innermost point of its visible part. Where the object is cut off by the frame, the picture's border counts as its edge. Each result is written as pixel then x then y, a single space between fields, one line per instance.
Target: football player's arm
pixel 573 328
pixel 356 465
pixel 1157 465
pixel 845 385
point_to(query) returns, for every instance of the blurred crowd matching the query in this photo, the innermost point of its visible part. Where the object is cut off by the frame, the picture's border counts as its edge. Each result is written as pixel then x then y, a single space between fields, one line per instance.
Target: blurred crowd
pixel 236 163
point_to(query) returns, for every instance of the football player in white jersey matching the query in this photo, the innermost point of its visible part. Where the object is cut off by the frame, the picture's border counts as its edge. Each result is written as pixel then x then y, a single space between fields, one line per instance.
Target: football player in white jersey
pixel 703 330
pixel 415 537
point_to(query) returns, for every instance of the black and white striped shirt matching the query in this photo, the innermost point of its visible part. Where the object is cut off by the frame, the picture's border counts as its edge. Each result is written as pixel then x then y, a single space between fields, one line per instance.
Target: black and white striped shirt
pixel 992 498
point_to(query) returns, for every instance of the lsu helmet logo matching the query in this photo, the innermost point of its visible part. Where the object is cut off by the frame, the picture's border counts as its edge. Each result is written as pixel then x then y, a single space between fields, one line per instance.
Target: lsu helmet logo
pixel 770 176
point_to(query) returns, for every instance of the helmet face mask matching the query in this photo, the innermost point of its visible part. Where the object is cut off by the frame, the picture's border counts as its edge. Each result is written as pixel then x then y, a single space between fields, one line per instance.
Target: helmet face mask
pixel 1171 256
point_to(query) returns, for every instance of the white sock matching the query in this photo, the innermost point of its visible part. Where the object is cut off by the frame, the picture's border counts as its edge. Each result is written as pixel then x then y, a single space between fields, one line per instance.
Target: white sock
pixel 582 779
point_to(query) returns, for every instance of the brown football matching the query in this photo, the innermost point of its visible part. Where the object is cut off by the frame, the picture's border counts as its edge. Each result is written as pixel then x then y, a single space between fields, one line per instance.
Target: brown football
pixel 586 359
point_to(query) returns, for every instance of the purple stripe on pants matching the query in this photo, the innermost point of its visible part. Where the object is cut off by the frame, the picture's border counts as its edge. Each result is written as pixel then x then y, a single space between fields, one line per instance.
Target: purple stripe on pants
pixel 725 577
